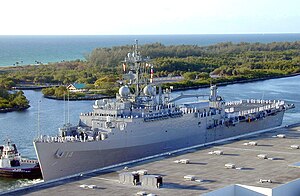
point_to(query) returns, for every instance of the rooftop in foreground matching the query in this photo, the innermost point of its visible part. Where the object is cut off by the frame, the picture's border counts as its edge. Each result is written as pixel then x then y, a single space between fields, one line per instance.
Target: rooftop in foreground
pixel 209 169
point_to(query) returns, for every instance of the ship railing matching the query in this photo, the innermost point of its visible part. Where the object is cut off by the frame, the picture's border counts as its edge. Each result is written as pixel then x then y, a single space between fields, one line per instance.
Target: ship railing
pixel 233 103
pixel 154 108
pixel 86 114
pixel 162 115
pixel 186 110
pixel 155 116
pixel 253 101
pixel 204 114
pixel 62 139
pixel 274 106
pixel 232 115
pixel 49 139
pixel 175 114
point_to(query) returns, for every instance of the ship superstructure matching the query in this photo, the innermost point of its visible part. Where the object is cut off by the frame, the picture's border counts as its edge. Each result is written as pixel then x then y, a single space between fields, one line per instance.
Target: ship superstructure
pixel 143 120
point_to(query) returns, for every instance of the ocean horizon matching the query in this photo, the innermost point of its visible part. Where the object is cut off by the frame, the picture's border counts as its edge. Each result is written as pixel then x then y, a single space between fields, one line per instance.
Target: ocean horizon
pixel 29 49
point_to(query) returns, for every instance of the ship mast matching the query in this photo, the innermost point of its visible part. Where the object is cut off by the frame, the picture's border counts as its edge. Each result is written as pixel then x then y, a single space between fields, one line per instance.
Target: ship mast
pixel 137 65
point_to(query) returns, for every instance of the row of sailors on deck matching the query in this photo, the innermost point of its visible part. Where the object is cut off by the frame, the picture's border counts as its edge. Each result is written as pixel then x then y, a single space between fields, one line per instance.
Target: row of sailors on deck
pixel 258 101
pixel 253 110
pixel 83 137
pixel 184 110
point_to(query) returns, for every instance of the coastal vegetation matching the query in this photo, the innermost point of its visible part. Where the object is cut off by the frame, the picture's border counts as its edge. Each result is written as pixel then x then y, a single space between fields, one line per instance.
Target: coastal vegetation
pixel 224 62
pixel 12 101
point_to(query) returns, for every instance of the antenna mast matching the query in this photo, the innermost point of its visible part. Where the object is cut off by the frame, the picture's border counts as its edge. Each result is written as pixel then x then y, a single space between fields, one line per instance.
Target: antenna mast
pixel 38 119
pixel 68 107
pixel 65 118
pixel 137 65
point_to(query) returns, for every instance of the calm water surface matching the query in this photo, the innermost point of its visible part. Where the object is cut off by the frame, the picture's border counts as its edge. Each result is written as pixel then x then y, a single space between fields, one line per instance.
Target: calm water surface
pixel 28 49
pixel 21 127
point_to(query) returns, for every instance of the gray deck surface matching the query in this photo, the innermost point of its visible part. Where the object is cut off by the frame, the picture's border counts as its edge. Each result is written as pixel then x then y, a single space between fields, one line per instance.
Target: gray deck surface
pixel 209 168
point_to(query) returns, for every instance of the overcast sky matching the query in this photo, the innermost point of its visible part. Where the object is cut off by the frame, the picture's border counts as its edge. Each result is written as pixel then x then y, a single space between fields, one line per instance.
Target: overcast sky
pixel 134 17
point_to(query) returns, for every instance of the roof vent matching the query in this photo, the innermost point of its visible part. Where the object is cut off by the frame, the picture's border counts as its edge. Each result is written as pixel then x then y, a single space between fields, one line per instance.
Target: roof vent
pixel 230 166
pixel 281 136
pixel 189 177
pixel 252 143
pixel 183 161
pixel 141 193
pixel 217 152
pixel 142 172
pixel 294 146
pixel 262 156
pixel 265 181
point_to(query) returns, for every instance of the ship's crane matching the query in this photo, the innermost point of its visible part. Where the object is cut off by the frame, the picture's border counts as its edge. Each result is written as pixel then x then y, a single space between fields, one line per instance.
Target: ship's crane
pixel 183 96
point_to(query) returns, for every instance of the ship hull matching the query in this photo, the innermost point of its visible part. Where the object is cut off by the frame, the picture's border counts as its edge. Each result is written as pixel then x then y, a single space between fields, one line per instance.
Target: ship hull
pixel 59 159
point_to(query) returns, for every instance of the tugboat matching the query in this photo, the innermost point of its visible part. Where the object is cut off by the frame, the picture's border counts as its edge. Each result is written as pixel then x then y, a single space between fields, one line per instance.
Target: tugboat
pixel 13 166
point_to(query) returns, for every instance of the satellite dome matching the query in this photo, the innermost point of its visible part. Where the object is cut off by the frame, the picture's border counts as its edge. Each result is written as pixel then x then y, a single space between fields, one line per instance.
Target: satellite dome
pixel 124 91
pixel 148 90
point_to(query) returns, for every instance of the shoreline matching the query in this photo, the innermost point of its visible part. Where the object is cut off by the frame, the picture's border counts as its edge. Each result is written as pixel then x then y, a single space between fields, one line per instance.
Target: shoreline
pixel 33 87
pixel 236 82
pixel 14 109
pixel 39 87
pixel 80 98
pixel 182 89
pixel 175 89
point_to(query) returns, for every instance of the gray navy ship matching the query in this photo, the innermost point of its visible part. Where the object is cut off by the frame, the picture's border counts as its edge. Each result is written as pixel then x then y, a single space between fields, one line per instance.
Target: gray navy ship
pixel 143 120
